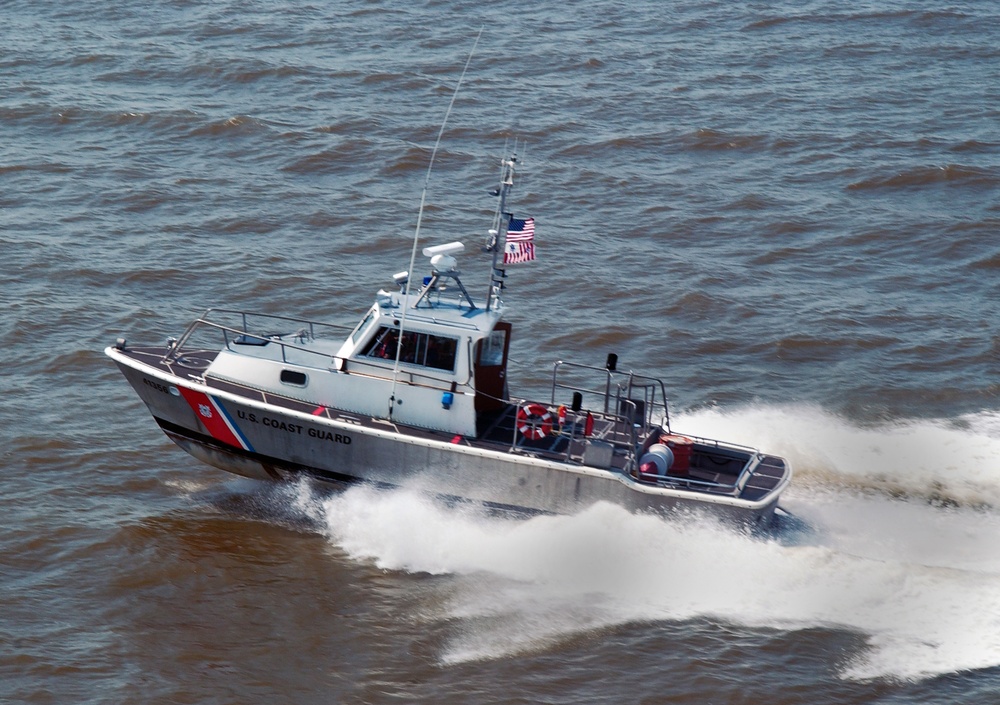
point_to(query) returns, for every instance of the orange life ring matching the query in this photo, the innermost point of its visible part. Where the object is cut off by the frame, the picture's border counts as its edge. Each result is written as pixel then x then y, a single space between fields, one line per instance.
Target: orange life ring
pixel 534 422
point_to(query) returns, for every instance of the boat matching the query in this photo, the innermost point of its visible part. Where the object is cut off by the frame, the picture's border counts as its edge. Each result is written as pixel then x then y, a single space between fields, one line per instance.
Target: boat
pixel 416 395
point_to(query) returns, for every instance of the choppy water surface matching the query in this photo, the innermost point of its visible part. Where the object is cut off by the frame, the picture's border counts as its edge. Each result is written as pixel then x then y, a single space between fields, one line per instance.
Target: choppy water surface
pixel 788 211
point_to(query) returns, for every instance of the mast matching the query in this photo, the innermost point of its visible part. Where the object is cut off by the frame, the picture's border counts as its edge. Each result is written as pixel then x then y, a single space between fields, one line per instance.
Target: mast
pixel 498 237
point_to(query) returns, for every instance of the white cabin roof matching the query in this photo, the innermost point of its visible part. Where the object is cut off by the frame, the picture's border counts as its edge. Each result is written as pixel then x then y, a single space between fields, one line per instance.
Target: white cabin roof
pixel 439 307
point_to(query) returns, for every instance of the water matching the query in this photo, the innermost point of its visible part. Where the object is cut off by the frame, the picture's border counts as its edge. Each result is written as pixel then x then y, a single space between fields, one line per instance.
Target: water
pixel 785 210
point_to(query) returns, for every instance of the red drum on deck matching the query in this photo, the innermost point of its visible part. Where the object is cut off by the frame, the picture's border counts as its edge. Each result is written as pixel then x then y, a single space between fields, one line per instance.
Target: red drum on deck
pixel 682 448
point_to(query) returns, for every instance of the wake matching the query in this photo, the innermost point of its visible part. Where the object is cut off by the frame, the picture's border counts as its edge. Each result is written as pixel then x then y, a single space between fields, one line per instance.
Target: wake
pixel 901 544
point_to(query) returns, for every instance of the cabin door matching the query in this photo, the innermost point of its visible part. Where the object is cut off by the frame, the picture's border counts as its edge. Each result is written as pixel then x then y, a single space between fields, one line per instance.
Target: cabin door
pixel 491 369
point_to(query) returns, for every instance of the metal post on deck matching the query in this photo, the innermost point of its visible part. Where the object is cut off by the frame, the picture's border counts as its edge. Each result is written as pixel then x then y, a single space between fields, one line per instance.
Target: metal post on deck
pixel 610 365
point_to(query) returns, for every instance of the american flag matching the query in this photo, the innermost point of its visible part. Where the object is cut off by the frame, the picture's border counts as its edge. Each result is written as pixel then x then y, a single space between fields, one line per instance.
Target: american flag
pixel 521 230
pixel 520 245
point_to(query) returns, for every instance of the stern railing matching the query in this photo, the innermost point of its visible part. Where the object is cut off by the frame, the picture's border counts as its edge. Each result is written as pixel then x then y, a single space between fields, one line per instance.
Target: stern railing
pixel 732 489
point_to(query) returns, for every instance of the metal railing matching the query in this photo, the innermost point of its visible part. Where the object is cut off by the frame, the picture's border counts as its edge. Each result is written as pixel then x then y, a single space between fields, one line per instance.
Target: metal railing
pixel 244 334
pixel 731 489
pixel 624 388
pixel 616 430
pixel 307 331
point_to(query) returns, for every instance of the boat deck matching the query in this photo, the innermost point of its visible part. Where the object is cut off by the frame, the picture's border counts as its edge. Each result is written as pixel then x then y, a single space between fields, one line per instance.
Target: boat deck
pixel 709 473
pixel 766 476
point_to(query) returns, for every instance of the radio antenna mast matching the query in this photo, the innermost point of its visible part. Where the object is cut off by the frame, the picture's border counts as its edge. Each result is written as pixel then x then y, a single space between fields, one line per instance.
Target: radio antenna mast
pixel 420 215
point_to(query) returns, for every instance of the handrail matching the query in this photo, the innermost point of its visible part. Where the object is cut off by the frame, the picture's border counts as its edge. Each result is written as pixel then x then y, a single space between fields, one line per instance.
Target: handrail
pixel 633 381
pixel 752 450
pixel 669 480
pixel 175 348
pixel 177 345
pixel 621 425
pixel 277 317
pixel 410 369
pixel 461 325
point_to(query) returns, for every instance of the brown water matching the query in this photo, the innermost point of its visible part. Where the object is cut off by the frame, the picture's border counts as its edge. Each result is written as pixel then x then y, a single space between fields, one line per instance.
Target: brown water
pixel 788 211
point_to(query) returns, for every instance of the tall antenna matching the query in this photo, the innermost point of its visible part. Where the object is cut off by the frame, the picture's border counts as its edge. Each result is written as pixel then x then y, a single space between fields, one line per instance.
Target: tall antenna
pixel 420 215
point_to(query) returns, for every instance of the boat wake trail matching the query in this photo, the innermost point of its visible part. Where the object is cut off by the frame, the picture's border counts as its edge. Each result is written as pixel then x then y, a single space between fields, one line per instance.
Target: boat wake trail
pixel 946 461
pixel 917 577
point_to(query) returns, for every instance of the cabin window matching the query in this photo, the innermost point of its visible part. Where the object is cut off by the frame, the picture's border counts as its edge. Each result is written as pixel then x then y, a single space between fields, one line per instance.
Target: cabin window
pixel 293 377
pixel 493 345
pixel 435 351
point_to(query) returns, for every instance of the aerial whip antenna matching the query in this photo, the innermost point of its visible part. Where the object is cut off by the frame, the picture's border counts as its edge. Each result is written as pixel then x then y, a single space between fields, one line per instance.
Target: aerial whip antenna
pixel 420 215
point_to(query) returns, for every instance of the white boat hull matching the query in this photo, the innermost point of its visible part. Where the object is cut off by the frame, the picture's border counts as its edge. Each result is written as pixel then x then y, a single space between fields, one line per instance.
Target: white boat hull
pixel 265 441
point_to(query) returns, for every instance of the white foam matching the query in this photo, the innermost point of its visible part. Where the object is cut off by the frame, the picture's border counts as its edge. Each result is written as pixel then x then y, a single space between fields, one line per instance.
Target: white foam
pixel 920 580
pixel 943 460
pixel 190 486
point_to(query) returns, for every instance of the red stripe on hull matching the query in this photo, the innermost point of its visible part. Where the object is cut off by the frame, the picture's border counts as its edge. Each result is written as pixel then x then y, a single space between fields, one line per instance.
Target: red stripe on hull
pixel 210 417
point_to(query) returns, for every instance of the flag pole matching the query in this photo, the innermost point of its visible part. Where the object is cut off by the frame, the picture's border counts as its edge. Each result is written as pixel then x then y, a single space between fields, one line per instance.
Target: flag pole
pixel 501 219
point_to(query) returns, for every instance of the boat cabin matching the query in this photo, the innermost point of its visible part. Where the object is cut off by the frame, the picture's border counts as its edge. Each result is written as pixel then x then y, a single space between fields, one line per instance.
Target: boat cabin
pixel 431 358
